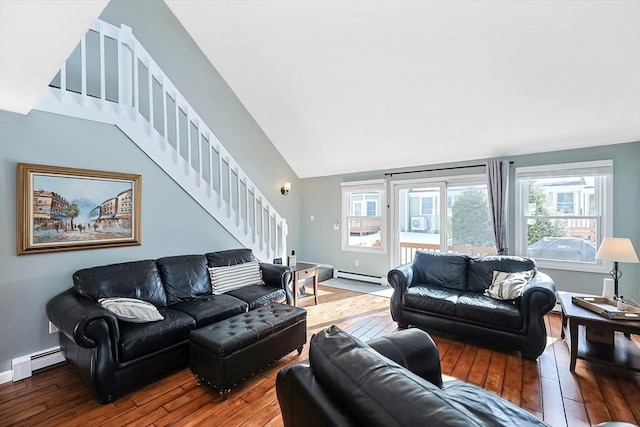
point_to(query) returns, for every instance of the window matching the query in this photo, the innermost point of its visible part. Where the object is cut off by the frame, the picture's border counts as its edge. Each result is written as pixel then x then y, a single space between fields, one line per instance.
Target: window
pixel 563 212
pixel 364 216
pixel 427 206
pixel 564 203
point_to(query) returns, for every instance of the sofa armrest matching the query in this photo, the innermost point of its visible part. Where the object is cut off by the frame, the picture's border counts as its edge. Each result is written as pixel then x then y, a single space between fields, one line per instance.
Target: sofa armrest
pixel 304 402
pixel 539 294
pixel 538 298
pixel 413 349
pixel 401 277
pixel 278 276
pixel 75 315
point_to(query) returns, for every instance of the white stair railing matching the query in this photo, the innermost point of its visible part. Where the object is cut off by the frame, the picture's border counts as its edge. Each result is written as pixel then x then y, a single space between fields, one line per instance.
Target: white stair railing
pixel 111 78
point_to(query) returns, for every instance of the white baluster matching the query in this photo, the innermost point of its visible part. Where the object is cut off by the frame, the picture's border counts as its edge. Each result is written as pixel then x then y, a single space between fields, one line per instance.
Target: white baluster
pixel 220 191
pixel 83 68
pixel 165 116
pixel 63 81
pixel 136 84
pixel 103 65
pixel 151 114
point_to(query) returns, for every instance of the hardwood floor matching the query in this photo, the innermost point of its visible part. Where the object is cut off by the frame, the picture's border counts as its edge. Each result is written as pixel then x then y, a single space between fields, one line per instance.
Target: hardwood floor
pixel 546 388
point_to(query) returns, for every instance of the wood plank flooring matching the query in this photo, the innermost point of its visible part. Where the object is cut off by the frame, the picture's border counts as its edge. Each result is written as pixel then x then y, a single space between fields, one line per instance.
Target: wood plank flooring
pixel 593 394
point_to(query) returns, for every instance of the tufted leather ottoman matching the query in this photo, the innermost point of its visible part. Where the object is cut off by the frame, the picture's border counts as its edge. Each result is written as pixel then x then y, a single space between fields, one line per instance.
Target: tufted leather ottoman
pixel 227 352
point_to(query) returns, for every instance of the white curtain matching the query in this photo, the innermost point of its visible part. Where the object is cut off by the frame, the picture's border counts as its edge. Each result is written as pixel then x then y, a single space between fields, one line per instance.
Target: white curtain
pixel 497 189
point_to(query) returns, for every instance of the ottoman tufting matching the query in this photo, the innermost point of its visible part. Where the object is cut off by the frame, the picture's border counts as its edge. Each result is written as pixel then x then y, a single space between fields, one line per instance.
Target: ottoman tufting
pixel 228 352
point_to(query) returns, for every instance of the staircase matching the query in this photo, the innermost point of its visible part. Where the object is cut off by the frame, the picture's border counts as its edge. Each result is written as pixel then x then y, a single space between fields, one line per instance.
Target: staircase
pixel 110 78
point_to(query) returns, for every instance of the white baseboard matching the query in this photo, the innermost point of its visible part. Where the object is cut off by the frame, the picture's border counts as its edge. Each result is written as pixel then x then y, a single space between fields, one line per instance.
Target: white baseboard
pixel 378 280
pixel 6 377
pixel 24 366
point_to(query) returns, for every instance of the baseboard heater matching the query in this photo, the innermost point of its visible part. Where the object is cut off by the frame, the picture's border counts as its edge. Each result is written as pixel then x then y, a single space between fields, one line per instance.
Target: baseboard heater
pixel 361 277
pixel 24 366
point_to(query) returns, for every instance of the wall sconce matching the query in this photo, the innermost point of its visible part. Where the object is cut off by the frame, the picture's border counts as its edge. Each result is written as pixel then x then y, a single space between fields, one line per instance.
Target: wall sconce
pixel 285 188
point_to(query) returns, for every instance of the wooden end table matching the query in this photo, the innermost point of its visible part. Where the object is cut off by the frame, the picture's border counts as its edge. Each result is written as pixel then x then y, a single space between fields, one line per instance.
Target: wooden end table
pixel 604 345
pixel 301 271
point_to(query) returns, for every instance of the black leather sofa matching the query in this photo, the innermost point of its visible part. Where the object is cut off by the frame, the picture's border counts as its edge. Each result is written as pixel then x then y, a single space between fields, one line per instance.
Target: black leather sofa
pixel 445 292
pixel 390 381
pixel 112 356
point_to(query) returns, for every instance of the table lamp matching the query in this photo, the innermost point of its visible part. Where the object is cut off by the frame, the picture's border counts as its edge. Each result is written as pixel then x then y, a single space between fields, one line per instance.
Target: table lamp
pixel 616 249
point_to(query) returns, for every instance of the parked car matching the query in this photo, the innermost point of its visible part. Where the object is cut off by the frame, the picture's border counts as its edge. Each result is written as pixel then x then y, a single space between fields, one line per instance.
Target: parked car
pixel 563 249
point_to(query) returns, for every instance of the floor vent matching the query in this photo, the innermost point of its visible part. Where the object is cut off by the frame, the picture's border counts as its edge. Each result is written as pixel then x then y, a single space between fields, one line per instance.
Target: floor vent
pixel 361 277
pixel 24 366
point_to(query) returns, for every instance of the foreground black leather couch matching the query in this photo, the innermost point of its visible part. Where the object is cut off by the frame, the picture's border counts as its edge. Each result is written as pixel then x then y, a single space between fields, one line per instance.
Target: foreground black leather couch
pixel 390 381
pixel 444 292
pixel 112 356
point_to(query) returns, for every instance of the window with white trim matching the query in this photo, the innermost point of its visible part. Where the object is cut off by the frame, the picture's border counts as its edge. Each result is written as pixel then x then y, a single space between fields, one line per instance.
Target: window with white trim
pixel 364 216
pixel 563 212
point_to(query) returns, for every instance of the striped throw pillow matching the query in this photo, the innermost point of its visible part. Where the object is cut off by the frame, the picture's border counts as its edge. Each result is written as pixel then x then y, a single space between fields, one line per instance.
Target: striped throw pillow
pixel 229 278
pixel 508 285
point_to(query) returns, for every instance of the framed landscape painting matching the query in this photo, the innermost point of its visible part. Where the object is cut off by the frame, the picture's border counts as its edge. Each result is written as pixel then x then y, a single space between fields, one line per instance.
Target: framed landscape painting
pixel 61 209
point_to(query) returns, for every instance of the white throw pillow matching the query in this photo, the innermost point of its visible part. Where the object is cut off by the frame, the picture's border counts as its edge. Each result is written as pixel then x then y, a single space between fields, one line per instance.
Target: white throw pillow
pixel 229 278
pixel 131 309
pixel 508 285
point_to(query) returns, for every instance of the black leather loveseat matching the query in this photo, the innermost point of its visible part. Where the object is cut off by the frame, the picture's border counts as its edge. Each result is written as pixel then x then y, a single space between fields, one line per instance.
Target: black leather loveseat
pixel 390 381
pixel 445 292
pixel 113 356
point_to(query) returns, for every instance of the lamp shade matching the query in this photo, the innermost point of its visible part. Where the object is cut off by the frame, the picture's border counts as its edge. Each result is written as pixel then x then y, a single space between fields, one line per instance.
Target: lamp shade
pixel 618 249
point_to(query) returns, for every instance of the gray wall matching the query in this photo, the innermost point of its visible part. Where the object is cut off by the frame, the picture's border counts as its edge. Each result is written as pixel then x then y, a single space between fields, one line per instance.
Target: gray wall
pixel 172 223
pixel 321 197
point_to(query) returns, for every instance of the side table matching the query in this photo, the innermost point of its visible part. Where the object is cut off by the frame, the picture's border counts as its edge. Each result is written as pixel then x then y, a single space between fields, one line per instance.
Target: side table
pixel 301 271
pixel 605 346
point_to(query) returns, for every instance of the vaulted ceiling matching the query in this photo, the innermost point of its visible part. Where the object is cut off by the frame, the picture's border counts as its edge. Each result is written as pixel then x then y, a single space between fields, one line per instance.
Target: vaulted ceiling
pixel 348 86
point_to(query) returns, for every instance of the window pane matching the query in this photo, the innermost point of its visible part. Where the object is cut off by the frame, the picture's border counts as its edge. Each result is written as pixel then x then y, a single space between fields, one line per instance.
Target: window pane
pixel 469 222
pixel 417 229
pixel 364 231
pixel 427 206
pixel 565 203
pixel 371 209
pixel 562 239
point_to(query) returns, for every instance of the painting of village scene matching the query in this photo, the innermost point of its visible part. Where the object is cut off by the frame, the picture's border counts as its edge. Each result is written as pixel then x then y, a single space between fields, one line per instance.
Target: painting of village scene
pixel 66 208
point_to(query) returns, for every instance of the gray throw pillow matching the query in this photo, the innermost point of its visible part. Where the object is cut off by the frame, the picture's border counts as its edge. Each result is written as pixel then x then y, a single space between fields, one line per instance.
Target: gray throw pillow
pixel 131 309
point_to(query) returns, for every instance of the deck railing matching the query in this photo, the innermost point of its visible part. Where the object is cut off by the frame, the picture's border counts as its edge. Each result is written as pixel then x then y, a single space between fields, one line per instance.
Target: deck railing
pixel 408 250
pixel 111 78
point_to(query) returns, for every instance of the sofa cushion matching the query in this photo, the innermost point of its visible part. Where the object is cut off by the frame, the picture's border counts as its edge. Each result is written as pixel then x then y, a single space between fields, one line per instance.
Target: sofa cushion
pixel 375 390
pixel 138 279
pixel 185 277
pixel 489 311
pixel 481 269
pixel 441 269
pixel 259 295
pixel 431 298
pixel 212 308
pixel 487 408
pixel 131 309
pixel 508 285
pixel 231 277
pixel 229 257
pixel 139 339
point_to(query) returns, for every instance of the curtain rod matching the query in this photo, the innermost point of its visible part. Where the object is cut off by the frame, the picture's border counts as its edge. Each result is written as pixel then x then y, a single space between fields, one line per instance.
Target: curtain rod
pixel 436 170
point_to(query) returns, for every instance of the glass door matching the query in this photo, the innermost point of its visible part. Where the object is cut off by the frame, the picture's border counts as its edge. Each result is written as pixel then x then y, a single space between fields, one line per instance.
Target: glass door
pixel 441 216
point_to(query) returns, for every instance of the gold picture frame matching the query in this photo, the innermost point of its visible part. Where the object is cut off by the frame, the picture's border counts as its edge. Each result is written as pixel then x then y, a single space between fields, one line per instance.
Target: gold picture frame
pixel 63 209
